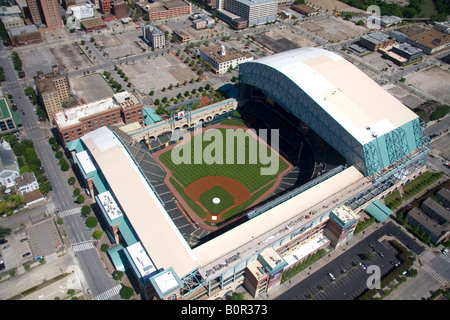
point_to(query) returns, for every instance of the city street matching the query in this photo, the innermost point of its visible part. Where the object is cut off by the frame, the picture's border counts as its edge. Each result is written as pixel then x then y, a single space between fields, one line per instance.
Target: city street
pixel 92 268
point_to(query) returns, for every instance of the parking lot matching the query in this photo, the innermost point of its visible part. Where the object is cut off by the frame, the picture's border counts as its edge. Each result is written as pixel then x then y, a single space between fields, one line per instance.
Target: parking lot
pixel 27 244
pixel 17 250
pixel 352 283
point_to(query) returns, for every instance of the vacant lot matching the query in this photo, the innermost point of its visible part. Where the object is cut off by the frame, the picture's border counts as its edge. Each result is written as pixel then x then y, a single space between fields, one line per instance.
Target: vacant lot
pixel 157 72
pixel 42 59
pixel 335 29
pixel 91 88
pixel 332 5
pixel 278 40
pixel 434 81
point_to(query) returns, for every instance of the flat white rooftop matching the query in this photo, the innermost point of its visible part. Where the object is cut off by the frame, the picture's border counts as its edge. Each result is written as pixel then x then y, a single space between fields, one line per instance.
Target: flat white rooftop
pixel 72 116
pixel 166 281
pixel 156 231
pixel 350 97
pixel 85 161
pixel 141 259
pixel 109 205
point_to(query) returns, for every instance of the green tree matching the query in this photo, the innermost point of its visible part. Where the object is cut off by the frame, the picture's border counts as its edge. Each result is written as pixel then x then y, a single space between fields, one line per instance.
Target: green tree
pixel 86 210
pixel 117 275
pixel 52 140
pixel 64 164
pixel 80 199
pixel 104 247
pixel 4 232
pixel 45 187
pixel 76 192
pixel 97 235
pixel 71 181
pixel 126 293
pixel 91 222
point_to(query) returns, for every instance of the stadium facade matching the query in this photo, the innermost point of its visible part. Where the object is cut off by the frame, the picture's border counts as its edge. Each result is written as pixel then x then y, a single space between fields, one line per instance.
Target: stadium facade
pixel 382 141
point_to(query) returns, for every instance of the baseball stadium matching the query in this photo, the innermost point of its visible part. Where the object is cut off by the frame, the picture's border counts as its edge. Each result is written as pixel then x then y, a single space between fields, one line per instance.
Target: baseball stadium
pixel 197 230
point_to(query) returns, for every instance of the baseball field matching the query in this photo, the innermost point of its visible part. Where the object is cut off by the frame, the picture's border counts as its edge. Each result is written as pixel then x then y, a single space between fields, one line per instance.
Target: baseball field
pixel 215 192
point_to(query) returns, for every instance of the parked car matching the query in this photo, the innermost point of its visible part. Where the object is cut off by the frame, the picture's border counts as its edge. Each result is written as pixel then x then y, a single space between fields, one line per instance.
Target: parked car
pixel 332 277
pixel 2 241
pixel 445 251
pixel 23 240
pixel 380 253
pixel 343 270
pixel 26 254
pixel 6 247
pixel 363 265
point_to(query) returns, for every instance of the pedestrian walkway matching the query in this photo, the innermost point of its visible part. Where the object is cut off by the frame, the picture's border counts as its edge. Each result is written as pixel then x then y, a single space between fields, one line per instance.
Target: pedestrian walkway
pixel 108 294
pixel 70 212
pixel 80 246
pixel 442 281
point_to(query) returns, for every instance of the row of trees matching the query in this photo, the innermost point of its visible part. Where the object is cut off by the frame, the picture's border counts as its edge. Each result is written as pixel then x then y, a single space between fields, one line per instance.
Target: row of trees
pixel 17 62
pixel 28 161
pixel 40 111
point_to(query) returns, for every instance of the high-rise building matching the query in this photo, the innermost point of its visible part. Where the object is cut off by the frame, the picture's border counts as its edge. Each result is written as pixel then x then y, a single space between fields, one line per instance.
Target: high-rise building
pixel 155 37
pixel 119 9
pixel 52 15
pixel 45 12
pixel 35 12
pixel 52 90
pixel 105 6
pixel 256 12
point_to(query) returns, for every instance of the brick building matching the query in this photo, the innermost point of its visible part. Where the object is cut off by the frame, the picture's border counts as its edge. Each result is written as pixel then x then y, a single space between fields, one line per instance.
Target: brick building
pixel 123 107
pixel 23 35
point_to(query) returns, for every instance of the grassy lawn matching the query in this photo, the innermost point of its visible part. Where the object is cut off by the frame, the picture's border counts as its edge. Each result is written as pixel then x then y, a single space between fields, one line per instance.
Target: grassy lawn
pixel 226 200
pixel 249 175
pixel 233 122
pixel 412 188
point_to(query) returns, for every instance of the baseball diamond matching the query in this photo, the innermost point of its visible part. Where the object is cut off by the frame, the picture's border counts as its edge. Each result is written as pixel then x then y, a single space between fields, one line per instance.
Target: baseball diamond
pixel 236 186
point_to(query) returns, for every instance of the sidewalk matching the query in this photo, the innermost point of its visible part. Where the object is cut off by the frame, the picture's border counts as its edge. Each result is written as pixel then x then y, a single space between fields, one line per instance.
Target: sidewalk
pixel 331 255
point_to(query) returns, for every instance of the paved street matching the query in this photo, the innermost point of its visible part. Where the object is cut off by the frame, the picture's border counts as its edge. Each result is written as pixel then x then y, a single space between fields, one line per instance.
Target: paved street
pixel 91 267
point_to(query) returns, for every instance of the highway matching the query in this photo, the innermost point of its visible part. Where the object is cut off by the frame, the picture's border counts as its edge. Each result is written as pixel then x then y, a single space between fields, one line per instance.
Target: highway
pixel 97 280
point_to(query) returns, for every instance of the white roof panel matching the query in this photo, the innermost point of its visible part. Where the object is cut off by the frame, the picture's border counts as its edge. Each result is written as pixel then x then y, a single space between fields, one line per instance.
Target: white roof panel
pixel 349 96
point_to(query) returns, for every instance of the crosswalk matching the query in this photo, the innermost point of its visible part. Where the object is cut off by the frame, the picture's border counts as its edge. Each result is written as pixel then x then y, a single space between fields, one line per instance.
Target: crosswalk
pixel 70 212
pixel 446 257
pixel 80 246
pixel 108 294
pixel 442 281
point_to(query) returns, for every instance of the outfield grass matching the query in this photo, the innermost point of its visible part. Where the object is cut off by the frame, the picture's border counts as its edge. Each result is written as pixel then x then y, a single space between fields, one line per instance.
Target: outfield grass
pixel 249 175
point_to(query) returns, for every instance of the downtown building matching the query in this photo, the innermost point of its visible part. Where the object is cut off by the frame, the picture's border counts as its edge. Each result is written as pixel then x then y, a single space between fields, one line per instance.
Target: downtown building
pixel 254 12
pixel 223 59
pixel 154 36
pixel 45 14
pixel 52 90
pixel 121 108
